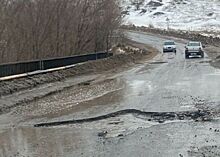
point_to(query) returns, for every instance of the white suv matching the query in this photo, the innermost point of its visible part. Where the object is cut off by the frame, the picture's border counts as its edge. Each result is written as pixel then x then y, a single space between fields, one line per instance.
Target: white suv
pixel 194 49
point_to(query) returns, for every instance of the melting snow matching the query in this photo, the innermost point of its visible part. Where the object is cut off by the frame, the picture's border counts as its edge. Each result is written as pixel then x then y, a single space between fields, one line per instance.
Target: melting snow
pixel 192 15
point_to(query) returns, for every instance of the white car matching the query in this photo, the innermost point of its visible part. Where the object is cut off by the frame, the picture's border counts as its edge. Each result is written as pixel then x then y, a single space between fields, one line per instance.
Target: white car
pixel 169 46
pixel 194 49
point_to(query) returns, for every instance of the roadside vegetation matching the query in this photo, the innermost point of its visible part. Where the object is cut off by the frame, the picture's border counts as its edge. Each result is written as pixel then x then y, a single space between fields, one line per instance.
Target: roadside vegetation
pixel 36 29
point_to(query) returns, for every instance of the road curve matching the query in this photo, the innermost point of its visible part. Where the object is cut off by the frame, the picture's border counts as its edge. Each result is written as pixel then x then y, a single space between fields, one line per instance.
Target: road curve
pixel 168 83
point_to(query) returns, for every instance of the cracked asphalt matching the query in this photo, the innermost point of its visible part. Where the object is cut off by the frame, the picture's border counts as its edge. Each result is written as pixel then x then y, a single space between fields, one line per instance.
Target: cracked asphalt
pixel 166 84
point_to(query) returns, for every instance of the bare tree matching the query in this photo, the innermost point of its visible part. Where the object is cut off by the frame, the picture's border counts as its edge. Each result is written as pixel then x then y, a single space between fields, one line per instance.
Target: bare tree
pixel 36 29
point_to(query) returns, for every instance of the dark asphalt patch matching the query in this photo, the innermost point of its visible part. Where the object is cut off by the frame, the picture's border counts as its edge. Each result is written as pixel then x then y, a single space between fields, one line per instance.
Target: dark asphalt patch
pixel 159 117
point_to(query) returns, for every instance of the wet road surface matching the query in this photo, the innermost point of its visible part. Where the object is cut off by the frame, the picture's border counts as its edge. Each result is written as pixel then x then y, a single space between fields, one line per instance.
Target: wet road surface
pixel 168 83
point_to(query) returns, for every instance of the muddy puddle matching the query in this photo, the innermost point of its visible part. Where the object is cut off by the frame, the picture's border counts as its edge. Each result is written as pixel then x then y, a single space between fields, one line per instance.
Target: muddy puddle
pixel 29 142
pixel 115 136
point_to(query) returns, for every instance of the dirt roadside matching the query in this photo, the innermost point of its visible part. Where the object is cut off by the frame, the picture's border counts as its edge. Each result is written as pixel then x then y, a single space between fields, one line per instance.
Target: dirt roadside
pixel 23 90
pixel 99 66
pixel 214 53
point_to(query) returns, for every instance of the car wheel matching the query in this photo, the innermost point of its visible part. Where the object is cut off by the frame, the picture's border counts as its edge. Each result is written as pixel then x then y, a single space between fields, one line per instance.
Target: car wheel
pixel 186 56
pixel 202 55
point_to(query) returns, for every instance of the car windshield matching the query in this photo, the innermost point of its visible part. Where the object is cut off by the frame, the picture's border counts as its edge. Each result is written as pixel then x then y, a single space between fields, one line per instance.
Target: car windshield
pixel 169 43
pixel 193 44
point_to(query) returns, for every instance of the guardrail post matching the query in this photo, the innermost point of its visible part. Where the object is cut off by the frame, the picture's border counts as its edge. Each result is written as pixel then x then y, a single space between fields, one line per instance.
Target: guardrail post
pixel 41 65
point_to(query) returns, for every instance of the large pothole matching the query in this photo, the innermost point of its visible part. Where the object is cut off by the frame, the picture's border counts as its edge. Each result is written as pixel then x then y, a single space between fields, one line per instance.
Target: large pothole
pixel 159 117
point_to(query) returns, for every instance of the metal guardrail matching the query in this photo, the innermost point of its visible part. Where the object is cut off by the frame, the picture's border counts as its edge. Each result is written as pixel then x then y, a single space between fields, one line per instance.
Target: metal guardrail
pixel 30 66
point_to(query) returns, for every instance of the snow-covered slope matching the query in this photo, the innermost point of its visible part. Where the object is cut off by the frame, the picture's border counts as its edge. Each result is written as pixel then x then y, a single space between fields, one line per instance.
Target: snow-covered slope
pixel 194 15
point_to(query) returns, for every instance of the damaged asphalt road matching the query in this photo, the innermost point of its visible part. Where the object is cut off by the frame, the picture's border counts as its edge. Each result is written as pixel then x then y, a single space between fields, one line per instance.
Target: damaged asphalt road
pixel 165 107
pixel 159 117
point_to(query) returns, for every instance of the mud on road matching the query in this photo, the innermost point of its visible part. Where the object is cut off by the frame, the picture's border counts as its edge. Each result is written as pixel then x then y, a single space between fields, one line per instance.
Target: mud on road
pixel 133 54
pixel 21 91
pixel 70 100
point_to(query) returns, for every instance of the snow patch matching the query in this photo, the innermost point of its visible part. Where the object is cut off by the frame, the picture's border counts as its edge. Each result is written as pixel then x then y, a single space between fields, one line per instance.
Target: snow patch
pixel 190 15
